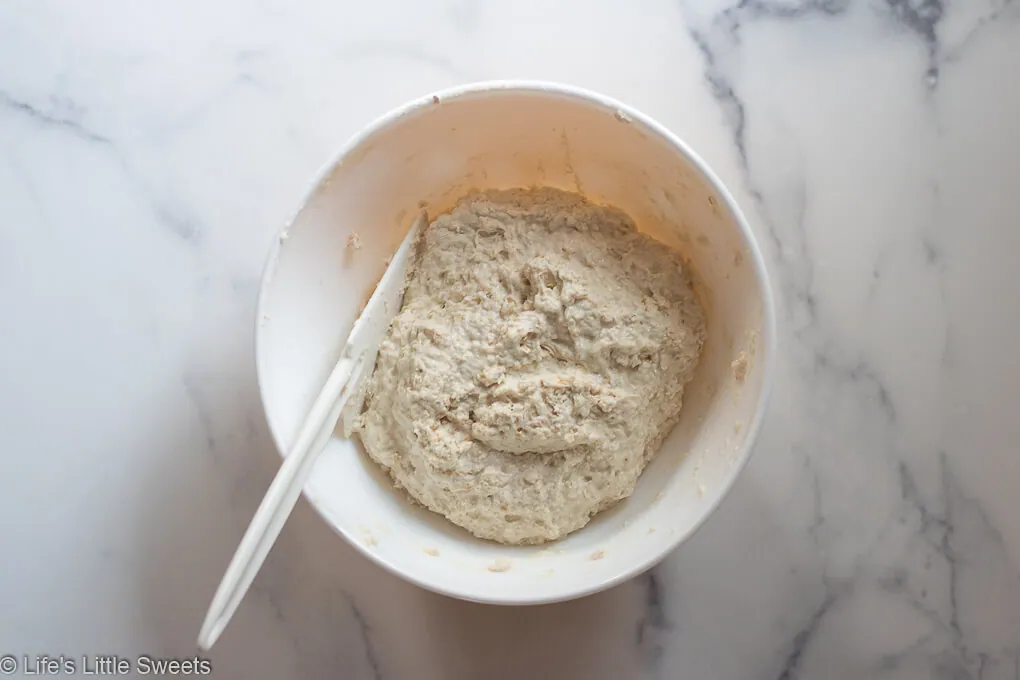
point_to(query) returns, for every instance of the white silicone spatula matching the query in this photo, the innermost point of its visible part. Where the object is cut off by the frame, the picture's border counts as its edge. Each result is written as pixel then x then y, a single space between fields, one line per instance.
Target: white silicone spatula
pixel 343 388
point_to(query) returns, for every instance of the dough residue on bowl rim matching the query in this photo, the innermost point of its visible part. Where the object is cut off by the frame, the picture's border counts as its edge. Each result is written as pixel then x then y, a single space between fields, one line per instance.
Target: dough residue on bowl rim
pixel 500 565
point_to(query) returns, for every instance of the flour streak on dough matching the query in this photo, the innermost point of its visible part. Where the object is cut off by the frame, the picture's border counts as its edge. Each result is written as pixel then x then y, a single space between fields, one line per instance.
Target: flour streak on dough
pixel 537 363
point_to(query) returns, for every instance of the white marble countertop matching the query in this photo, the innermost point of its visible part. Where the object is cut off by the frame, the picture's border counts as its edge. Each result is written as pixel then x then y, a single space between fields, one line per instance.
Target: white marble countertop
pixel 150 150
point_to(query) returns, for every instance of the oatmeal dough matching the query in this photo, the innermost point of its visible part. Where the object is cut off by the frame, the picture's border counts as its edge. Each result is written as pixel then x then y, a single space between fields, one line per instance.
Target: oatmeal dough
pixel 537 363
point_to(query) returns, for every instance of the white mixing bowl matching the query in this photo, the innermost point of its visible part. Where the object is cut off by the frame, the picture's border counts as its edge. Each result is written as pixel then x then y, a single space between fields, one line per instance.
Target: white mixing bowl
pixel 431 152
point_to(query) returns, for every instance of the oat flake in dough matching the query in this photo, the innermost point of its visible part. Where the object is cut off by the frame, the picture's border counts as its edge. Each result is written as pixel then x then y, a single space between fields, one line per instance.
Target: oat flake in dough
pixel 536 364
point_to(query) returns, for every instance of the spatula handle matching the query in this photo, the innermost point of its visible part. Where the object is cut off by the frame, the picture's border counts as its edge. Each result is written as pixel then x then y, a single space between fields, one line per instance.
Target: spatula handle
pixel 279 500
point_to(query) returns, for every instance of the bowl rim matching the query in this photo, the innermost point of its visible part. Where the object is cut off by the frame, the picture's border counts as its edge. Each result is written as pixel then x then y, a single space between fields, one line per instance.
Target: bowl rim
pixel 767 340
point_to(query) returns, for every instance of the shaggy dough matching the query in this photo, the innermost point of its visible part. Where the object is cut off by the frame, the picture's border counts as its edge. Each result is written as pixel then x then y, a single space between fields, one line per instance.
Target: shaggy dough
pixel 537 363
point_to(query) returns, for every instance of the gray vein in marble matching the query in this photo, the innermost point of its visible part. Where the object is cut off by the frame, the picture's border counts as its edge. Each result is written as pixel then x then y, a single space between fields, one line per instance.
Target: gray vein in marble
pixel 64 115
pixel 168 212
pixel 860 374
pixel 796 274
pixel 817 514
pixel 962 657
pixel 955 52
pixel 202 409
pixel 178 222
pixel 766 9
pixel 803 638
pixel 954 497
pixel 653 622
pixel 366 638
pixel 274 604
pixel 930 522
pixel 946 551
pixel 951 650
pixel 723 92
pixel 932 253
pixel 795 278
pixel 922 17
pixel 267 590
